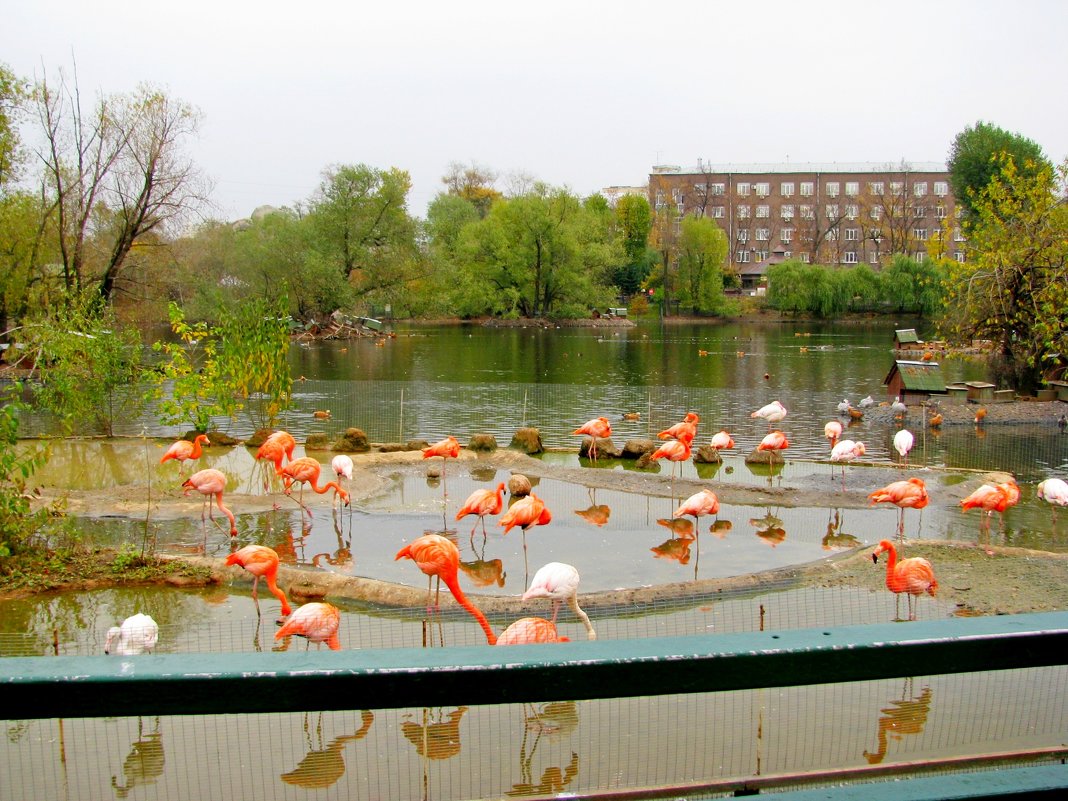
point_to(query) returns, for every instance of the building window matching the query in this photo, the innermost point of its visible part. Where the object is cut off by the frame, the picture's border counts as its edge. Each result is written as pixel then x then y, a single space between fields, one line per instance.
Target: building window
pixel 743 212
pixel 897 188
pixel 919 212
pixel 852 234
pixel 680 208
pixel 852 188
pixel 743 235
pixel 919 189
pixel 832 189
pixel 760 255
pixel 919 255
pixel 787 212
pixel 763 234
pixel 959 255
pixel 717 212
pixel 941 188
pixel 718 189
pixel 676 195
pixel 742 256
pixel 762 189
pixel 875 188
pixel 876 212
pixel 832 211
pixel 743 189
pixel 804 258
pixel 678 226
pixel 958 236
pixel 832 235
pixel 700 188
pixel 763 211
pixel 659 199
pixel 852 211
pixel 786 235
pixel 940 212
pixel 874 257
pixel 806 189
pixel 849 257
pixel 698 212
pixel 787 189
pixel 807 213
pixel 919 234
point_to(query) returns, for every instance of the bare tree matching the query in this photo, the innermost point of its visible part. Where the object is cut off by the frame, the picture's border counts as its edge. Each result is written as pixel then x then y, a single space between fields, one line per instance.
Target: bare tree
pixel 114 174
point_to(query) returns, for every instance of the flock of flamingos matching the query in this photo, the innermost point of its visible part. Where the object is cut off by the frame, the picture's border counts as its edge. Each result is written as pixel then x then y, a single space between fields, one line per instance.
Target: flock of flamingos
pixel 438 557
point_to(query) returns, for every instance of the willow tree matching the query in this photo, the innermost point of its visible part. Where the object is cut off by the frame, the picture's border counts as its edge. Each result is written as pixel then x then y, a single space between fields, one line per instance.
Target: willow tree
pixel 1013 288
pixel 702 250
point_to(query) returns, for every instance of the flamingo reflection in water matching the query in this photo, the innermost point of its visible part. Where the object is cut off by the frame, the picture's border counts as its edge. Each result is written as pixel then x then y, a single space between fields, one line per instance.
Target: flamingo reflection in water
pixel 322 767
pixel 144 764
pixel 769 528
pixel 835 537
pixel 907 716
pixel 437 736
pixel 551 722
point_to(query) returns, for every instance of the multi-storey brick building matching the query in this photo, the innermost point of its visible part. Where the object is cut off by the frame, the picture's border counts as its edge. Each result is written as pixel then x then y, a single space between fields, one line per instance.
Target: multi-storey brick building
pixel 819 213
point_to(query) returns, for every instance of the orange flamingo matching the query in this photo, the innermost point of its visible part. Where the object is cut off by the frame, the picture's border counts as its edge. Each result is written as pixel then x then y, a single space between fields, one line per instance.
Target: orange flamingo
pixel 598 428
pixel 276 447
pixel 676 450
pixel 482 502
pixel 318 622
pixel 448 448
pixel 993 498
pixel 700 503
pixel 775 441
pixel 687 426
pixel 185 451
pixel 306 470
pixel 911 494
pixel 529 630
pixel 210 482
pixel 559 582
pixel 260 561
pixel 525 513
pixel 440 558
pixel 913 576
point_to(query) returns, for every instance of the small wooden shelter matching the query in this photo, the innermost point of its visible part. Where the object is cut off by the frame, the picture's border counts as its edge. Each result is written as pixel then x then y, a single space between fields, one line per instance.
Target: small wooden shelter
pixel 915 381
pixel 906 339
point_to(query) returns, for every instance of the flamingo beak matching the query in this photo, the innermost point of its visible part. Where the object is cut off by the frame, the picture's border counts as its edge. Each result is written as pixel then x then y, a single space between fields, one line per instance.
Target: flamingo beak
pixel 875 558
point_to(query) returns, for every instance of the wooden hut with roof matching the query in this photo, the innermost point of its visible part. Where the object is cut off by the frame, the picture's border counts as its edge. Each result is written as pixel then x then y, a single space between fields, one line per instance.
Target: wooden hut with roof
pixel 914 381
pixel 907 339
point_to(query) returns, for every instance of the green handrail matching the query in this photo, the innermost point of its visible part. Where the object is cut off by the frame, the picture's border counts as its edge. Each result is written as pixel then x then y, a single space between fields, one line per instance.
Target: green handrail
pixel 215 683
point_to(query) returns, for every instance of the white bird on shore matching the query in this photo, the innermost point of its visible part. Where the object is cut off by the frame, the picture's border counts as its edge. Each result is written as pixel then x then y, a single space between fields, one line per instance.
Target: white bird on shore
pixel 903 441
pixel 866 401
pixel 898 408
pixel 137 634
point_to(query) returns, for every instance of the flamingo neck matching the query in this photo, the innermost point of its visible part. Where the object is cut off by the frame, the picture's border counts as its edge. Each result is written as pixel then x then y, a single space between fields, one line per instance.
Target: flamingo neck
pixel 572 601
pixel 458 594
pixel 277 592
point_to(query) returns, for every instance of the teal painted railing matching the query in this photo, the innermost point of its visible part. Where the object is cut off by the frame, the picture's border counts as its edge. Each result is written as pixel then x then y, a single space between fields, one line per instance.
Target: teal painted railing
pixel 167 684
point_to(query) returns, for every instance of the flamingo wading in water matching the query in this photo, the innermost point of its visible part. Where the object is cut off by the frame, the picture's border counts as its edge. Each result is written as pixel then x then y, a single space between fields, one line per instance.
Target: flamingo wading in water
pixel 843 452
pixel 137 634
pixel 530 630
pixel 773 413
pixel 448 448
pixel 439 558
pixel 306 470
pixel 185 451
pixel 559 582
pixel 261 562
pixel 210 482
pixel 1053 491
pixel 318 622
pixel 911 494
pixel 342 467
pixel 913 576
pixel 482 502
pixel 688 426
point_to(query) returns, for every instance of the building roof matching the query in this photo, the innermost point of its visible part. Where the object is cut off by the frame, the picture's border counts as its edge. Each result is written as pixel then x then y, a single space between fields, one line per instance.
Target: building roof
pixel 918 376
pixel 803 167
pixel 906 335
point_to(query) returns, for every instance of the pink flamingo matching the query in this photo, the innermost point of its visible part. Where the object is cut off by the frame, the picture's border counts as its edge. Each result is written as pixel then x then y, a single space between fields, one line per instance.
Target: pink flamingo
pixel 306 470
pixel 559 582
pixel 845 451
pixel 687 426
pixel 185 451
pixel 260 561
pixel 318 622
pixel 773 412
pixel 210 482
pixel 913 576
pixel 598 428
pixel 911 494
pixel 482 502
pixel 529 630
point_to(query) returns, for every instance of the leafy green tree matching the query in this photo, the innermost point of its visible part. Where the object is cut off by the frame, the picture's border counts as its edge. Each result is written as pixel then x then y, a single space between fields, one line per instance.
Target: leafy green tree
pixel 14 93
pixel 806 288
pixel 539 254
pixel 87 364
pixel 18 522
pixel 635 218
pixel 912 287
pixel 361 226
pixel 1013 288
pixel 975 159
pixel 861 287
pixel 702 249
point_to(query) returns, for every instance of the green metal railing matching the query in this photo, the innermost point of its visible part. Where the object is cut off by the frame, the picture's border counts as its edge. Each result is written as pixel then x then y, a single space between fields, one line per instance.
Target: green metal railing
pixel 165 684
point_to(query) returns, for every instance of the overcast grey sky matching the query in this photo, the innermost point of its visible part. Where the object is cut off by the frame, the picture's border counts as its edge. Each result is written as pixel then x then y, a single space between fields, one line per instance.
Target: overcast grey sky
pixel 578 94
